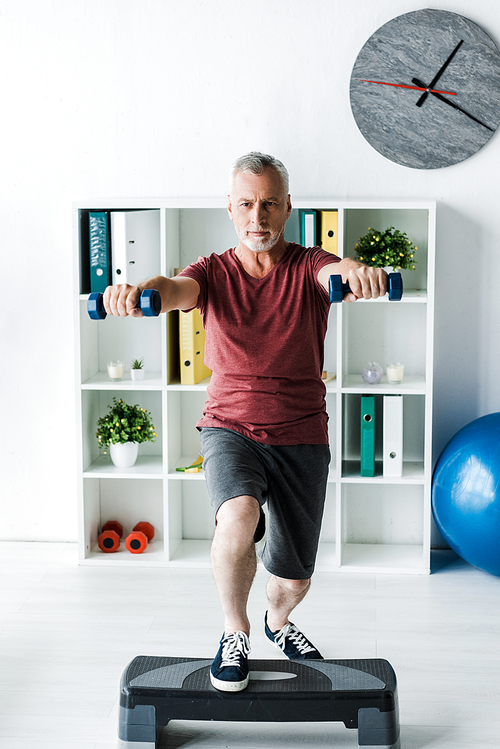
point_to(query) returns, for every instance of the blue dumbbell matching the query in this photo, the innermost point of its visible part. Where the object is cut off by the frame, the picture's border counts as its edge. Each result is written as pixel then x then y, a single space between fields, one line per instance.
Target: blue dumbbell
pixel 338 289
pixel 150 304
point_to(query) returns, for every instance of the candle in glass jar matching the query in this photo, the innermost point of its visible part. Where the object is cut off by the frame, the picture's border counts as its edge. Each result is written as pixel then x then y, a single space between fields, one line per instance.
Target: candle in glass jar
pixel 115 370
pixel 395 372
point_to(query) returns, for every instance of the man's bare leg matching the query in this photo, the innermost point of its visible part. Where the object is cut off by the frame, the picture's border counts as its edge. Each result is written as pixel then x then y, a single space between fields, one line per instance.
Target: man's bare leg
pixel 234 561
pixel 234 565
pixel 283 596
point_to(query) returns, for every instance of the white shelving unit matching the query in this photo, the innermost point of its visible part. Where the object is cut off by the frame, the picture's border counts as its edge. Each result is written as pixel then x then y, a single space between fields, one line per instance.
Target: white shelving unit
pixel 371 525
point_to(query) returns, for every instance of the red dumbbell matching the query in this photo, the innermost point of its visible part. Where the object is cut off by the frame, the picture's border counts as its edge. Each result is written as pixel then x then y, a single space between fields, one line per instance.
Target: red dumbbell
pixel 137 541
pixel 109 540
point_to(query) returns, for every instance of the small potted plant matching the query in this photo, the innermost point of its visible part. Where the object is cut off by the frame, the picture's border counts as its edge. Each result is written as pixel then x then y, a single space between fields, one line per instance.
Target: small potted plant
pixel 122 430
pixel 137 370
pixel 386 249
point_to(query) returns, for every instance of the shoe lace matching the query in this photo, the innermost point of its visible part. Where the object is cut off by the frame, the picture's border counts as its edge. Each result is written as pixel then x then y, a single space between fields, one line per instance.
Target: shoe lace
pixel 300 641
pixel 234 646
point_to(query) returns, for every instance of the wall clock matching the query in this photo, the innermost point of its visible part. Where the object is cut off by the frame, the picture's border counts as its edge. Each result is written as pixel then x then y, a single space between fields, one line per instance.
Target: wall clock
pixel 425 89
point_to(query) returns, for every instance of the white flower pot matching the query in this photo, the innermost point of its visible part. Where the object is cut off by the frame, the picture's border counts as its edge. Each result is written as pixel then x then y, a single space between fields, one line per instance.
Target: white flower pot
pixel 137 374
pixel 124 455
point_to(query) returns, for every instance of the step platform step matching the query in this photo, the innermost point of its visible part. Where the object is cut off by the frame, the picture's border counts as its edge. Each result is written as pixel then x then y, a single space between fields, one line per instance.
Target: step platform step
pixel 361 694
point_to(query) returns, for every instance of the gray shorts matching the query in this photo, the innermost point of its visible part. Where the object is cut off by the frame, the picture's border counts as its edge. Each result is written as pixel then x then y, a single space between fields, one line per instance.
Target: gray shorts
pixel 290 478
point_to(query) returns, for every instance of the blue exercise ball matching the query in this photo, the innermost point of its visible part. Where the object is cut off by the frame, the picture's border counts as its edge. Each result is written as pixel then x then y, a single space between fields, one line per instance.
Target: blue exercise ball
pixel 466 493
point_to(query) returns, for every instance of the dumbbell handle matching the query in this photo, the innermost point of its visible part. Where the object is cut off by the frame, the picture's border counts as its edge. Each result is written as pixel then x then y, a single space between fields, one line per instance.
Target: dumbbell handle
pixel 338 289
pixel 150 304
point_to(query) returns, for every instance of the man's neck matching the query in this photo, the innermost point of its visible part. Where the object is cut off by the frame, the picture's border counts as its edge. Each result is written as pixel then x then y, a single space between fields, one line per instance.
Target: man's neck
pixel 259 264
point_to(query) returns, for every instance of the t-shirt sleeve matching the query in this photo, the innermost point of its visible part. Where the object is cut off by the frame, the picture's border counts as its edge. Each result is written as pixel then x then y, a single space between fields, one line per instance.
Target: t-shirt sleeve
pixel 198 271
pixel 318 259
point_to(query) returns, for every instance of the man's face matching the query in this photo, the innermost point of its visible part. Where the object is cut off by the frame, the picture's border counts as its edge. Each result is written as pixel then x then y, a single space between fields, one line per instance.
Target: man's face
pixel 259 209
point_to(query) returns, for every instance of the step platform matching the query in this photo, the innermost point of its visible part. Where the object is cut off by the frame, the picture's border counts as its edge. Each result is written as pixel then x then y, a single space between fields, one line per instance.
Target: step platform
pixel 361 694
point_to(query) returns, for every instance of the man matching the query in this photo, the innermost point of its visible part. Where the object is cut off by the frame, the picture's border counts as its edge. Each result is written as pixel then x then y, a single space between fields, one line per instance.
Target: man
pixel 264 431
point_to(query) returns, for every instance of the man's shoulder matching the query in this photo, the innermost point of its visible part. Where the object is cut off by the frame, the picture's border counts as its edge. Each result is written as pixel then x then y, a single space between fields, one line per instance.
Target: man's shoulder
pixel 204 262
pixel 315 255
pixel 225 258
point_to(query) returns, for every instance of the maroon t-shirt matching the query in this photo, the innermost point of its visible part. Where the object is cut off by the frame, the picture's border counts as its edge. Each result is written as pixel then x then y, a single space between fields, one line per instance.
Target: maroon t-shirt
pixel 264 345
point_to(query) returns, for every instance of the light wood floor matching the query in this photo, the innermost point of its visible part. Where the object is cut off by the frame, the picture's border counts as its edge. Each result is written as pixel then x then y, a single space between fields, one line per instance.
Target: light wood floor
pixel 67 632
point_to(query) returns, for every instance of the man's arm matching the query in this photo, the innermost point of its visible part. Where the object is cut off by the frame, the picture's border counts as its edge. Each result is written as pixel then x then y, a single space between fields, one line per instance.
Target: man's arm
pixel 176 293
pixel 364 282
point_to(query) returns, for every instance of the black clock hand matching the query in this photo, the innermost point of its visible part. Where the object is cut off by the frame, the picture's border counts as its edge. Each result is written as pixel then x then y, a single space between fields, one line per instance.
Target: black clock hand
pixel 439 96
pixel 440 73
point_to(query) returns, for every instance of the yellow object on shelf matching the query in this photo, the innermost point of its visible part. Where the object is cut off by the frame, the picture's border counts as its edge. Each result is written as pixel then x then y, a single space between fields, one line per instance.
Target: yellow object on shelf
pixel 329 231
pixel 195 467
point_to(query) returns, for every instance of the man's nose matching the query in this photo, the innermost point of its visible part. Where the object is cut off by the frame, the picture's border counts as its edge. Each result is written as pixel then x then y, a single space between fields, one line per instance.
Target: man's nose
pixel 258 213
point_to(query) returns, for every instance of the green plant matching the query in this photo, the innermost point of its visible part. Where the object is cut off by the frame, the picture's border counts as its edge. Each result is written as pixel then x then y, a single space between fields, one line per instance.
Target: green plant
pixel 381 249
pixel 124 423
pixel 137 364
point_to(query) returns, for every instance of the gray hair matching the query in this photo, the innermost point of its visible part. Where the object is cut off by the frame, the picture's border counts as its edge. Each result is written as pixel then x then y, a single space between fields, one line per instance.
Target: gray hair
pixel 255 163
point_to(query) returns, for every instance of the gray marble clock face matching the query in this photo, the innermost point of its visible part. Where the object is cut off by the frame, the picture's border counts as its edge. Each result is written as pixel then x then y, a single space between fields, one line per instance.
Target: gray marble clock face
pixel 414 48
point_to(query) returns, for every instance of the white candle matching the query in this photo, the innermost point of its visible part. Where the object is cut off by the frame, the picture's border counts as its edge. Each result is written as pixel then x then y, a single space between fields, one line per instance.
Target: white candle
pixel 115 370
pixel 395 372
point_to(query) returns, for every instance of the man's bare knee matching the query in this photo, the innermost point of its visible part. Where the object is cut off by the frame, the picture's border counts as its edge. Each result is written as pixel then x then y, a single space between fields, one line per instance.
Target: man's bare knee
pixel 238 516
pixel 294 586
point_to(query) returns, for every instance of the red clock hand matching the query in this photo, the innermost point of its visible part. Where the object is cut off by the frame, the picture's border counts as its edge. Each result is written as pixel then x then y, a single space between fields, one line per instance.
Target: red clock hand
pixel 415 88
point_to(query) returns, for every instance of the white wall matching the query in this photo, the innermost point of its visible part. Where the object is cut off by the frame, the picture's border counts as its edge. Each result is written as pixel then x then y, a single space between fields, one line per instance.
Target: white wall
pixel 124 98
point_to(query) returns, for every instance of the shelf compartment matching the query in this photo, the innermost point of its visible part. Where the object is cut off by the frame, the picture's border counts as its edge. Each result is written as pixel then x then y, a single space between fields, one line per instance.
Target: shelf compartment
pixel 208 230
pixel 413 221
pixel 186 460
pixel 146 238
pixel 190 522
pixel 123 338
pixel 413 437
pixel 327 559
pixel 382 525
pixel 384 333
pixel 128 502
pixel 95 404
pixel 191 553
pixel 184 409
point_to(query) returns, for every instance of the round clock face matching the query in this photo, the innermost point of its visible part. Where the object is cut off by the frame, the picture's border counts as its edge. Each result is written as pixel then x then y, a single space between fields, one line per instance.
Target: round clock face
pixel 425 89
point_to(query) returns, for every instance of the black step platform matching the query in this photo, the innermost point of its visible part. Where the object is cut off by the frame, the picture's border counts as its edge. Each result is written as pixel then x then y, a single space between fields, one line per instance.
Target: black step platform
pixel 361 694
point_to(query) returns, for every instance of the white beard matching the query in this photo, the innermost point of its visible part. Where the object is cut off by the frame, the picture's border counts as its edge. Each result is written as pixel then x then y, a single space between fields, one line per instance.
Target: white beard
pixel 259 245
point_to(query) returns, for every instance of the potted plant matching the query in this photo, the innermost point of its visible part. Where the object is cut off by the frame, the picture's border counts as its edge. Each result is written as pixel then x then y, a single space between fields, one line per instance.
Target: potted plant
pixel 386 249
pixel 122 430
pixel 137 370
